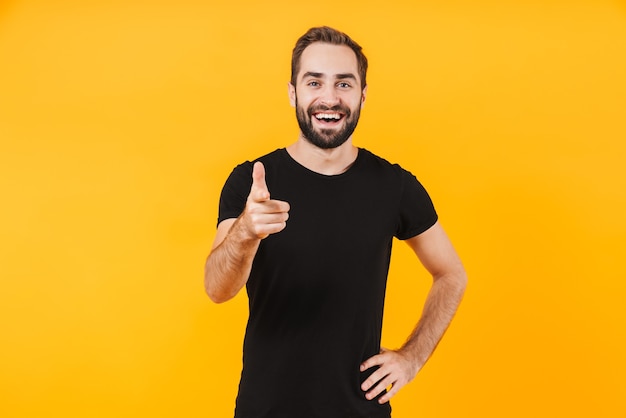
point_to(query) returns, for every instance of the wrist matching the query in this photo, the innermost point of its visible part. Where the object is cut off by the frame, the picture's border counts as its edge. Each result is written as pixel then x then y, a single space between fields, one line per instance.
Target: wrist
pixel 411 353
pixel 243 233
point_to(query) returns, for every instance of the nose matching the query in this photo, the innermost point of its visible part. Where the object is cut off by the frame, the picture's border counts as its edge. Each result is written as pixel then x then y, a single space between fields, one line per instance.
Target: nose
pixel 329 96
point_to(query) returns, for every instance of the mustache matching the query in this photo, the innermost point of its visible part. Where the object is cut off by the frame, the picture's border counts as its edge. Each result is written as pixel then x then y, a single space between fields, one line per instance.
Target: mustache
pixel 336 108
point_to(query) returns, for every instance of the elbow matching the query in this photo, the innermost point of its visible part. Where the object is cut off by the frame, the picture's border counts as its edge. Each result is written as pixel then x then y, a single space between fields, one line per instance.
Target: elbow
pixel 459 278
pixel 461 283
pixel 454 281
pixel 213 291
pixel 217 299
pixel 462 280
pixel 220 286
pixel 216 294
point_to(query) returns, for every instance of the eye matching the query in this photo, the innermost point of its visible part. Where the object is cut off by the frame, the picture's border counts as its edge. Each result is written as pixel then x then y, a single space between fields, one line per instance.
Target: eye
pixel 343 85
pixel 313 84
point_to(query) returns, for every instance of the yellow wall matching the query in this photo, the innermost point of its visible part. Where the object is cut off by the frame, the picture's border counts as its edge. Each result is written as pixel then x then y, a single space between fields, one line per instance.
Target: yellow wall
pixel 120 120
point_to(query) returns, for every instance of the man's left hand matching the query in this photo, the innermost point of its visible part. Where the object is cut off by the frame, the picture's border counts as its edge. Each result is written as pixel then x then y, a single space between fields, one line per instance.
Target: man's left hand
pixel 396 369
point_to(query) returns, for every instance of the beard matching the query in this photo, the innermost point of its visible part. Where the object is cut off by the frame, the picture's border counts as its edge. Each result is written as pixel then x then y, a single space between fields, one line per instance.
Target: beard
pixel 326 138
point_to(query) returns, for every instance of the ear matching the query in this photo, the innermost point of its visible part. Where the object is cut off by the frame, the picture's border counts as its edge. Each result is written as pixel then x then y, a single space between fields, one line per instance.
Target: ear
pixel 292 94
pixel 363 95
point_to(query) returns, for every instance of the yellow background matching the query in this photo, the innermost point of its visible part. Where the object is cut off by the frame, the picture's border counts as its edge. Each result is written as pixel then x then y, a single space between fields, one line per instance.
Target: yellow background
pixel 120 120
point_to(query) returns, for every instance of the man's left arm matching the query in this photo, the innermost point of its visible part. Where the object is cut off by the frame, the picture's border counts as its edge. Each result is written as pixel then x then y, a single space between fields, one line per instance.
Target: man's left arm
pixel 399 367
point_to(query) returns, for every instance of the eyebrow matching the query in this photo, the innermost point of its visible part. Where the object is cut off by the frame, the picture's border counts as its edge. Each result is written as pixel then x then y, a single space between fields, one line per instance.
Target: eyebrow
pixel 345 76
pixel 341 76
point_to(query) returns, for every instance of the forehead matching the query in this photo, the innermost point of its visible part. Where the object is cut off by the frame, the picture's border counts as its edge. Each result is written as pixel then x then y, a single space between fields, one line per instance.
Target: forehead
pixel 328 59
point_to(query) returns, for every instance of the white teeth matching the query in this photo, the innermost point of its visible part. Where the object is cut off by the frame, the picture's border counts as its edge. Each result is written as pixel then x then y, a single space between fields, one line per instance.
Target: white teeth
pixel 321 116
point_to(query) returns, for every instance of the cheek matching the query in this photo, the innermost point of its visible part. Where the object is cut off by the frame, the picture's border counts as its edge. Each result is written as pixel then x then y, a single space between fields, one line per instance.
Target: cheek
pixel 356 105
pixel 354 101
pixel 301 100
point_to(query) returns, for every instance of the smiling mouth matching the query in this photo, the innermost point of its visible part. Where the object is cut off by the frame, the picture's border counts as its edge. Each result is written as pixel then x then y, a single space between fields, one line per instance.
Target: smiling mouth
pixel 328 118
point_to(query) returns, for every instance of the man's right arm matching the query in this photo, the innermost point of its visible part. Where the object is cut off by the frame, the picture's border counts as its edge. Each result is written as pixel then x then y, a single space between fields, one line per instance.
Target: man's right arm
pixel 237 240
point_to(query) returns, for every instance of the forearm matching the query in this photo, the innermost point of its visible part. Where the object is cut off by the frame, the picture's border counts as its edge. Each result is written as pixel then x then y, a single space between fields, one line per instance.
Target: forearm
pixel 441 304
pixel 228 266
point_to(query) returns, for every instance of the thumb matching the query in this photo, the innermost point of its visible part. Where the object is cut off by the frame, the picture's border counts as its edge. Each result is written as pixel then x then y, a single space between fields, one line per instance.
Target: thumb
pixel 259 192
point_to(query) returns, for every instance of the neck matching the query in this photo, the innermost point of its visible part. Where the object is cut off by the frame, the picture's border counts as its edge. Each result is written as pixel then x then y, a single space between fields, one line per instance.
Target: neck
pixel 323 161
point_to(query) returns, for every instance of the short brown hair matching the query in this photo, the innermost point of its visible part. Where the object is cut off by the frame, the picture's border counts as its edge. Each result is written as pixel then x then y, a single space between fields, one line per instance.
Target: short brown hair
pixel 329 36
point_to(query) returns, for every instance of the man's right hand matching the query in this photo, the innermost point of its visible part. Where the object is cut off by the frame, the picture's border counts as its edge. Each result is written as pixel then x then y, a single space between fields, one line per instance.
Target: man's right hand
pixel 229 264
pixel 262 215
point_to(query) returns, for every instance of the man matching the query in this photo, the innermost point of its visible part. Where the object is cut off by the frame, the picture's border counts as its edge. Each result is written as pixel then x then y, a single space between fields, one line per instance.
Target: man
pixel 308 230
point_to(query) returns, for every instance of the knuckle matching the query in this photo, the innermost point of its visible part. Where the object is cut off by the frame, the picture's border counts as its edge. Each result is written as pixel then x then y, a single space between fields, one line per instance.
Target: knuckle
pixel 252 208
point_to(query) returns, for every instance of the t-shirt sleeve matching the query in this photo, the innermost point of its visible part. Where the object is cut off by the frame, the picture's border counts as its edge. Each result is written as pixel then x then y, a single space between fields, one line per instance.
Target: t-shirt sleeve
pixel 417 212
pixel 235 192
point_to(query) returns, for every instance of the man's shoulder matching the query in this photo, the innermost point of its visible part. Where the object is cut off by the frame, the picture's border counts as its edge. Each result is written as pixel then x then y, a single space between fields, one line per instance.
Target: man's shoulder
pixel 377 161
pixel 271 157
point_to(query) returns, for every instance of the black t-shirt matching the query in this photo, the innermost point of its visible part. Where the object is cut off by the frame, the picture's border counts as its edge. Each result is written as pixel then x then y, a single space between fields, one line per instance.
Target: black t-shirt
pixel 316 290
